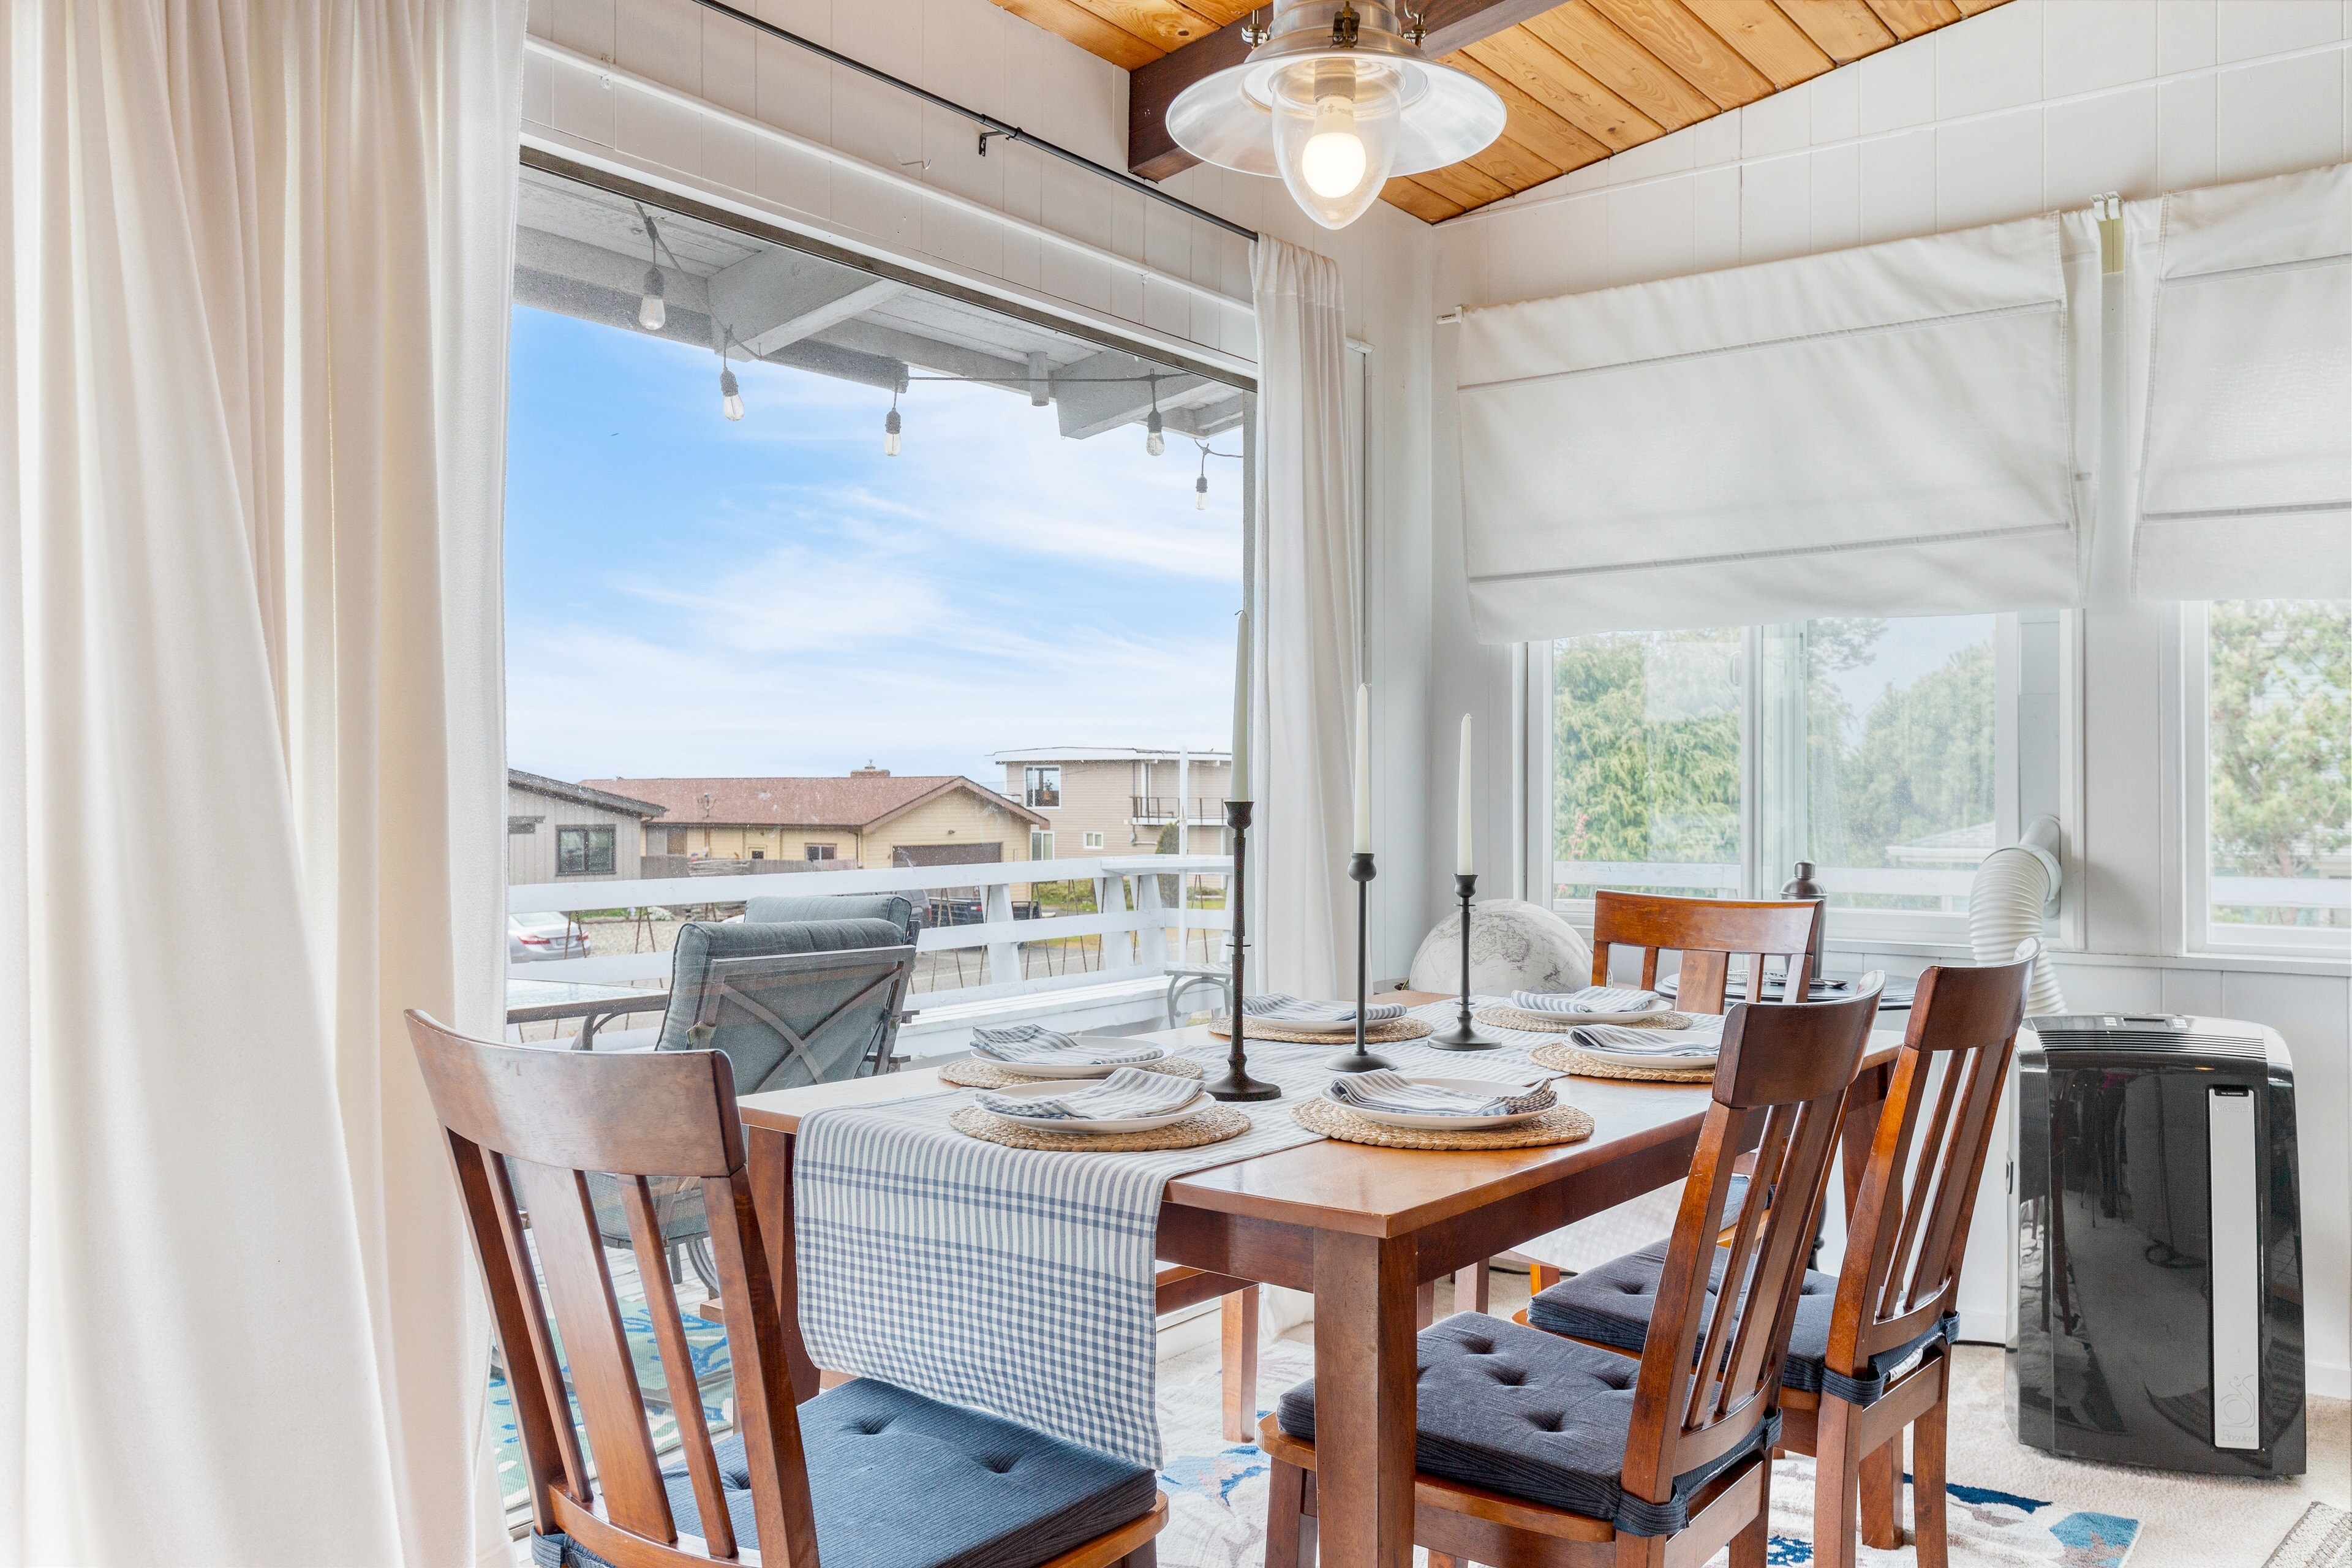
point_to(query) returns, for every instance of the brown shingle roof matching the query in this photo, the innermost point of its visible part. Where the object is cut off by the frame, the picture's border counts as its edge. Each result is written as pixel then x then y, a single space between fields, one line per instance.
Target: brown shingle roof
pixel 862 801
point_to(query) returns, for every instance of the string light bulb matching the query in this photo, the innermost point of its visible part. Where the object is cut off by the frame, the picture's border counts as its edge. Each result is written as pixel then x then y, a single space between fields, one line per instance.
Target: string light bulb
pixel 891 425
pixel 1201 484
pixel 1154 440
pixel 731 397
pixel 651 312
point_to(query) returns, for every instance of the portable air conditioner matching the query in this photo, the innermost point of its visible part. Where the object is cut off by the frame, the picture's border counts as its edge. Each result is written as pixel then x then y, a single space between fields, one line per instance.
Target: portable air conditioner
pixel 2159 1244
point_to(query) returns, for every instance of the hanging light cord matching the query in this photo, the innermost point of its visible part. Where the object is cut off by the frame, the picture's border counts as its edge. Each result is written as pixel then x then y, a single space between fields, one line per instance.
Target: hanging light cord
pixel 653 233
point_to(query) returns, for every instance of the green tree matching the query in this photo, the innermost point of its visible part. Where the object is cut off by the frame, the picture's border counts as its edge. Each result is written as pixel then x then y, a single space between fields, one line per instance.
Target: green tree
pixel 1925 762
pixel 2280 735
pixel 1647 752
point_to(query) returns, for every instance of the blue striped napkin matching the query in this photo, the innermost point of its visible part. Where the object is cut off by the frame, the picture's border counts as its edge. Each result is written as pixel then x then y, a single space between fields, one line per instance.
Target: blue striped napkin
pixel 1014 1044
pixel 1592 999
pixel 1705 1040
pixel 1276 1008
pixel 1385 1090
pixel 1129 1092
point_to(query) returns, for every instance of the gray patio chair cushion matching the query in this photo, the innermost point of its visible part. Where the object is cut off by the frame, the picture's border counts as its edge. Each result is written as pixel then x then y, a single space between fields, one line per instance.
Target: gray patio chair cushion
pixel 901 1481
pixel 895 908
pixel 1612 1304
pixel 763 1058
pixel 1515 1410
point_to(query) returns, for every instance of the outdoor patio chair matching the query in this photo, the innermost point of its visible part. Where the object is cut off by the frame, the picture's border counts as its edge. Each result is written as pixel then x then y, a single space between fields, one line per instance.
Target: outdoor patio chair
pixel 863 1476
pixel 779 909
pixel 788 1003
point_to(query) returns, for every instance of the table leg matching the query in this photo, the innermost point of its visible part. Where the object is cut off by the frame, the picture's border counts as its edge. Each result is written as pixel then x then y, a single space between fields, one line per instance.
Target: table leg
pixel 1364 1299
pixel 768 1157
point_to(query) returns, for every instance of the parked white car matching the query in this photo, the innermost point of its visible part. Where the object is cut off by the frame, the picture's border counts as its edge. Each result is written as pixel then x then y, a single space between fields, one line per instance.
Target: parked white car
pixel 533 937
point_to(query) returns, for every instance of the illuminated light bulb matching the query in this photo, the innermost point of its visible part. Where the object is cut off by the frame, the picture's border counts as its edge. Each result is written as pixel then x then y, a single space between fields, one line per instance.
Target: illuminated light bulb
pixel 651 312
pixel 1333 160
pixel 731 395
pixel 1154 442
pixel 890 429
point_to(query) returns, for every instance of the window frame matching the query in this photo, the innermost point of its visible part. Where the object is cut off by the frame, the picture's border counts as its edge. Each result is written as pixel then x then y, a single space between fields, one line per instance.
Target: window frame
pixel 2201 935
pixel 1917 932
pixel 1093 840
pixel 587 832
pixel 1041 836
pixel 817 853
pixel 1033 784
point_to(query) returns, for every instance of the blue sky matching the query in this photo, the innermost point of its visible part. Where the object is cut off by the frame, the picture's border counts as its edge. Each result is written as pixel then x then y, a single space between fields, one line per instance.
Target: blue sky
pixel 687 596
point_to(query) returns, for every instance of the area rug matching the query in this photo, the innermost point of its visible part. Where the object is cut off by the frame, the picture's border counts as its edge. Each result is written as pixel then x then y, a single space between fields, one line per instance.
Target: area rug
pixel 2322 1538
pixel 1217 1494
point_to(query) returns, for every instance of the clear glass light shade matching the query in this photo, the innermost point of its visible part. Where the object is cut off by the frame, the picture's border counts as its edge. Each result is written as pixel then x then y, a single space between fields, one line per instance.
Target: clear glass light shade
pixel 1334 135
pixel 651 312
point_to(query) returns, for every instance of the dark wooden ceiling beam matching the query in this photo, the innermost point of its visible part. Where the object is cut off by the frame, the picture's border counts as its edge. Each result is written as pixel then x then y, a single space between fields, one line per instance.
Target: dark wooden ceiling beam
pixel 1152 153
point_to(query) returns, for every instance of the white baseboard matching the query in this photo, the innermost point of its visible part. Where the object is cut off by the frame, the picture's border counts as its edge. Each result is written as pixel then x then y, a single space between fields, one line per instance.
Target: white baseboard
pixel 2323 1380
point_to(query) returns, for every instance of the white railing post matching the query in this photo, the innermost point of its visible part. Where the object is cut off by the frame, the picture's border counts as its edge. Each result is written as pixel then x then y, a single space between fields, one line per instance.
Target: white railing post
pixel 1152 938
pixel 1110 898
pixel 1004 957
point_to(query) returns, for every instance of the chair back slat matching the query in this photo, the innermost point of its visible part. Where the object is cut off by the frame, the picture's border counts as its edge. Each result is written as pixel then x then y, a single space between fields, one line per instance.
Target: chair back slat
pixel 1710 1373
pixel 631 1116
pixel 1708 934
pixel 1918 1191
pixel 595 1347
pixel 678 1367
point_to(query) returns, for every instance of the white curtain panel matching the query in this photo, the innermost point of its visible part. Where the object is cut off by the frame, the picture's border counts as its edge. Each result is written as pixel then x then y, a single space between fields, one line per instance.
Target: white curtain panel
pixel 1310 528
pixel 250 777
pixel 2240 379
pixel 1903 429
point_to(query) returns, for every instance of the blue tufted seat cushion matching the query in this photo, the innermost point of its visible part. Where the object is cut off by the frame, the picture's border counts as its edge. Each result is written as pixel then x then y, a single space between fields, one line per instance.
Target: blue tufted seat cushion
pixel 1515 1410
pixel 1611 1305
pixel 901 1481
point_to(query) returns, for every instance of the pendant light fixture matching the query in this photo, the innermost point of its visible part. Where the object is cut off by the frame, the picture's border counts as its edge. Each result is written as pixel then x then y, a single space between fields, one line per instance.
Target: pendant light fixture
pixel 1335 98
pixel 890 427
pixel 651 312
pixel 1155 440
pixel 1201 484
pixel 730 395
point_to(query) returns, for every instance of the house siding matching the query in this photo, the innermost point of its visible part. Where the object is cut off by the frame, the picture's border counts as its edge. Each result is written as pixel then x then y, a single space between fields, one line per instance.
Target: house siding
pixel 531 856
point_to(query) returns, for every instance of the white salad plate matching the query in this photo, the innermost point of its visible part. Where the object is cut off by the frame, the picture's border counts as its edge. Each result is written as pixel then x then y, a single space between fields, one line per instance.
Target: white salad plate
pixel 1432 1123
pixel 1068 1069
pixel 1184 1113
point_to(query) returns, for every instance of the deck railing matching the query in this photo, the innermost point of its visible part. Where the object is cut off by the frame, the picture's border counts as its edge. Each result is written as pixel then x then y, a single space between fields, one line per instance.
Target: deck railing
pixel 1140 930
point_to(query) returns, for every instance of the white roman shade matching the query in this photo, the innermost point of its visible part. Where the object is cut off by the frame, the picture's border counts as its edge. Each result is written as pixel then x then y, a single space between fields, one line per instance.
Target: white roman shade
pixel 2242 389
pixel 1899 429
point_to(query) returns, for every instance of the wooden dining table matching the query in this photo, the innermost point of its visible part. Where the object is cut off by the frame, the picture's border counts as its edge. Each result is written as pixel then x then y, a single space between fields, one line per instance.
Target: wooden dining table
pixel 1363 1228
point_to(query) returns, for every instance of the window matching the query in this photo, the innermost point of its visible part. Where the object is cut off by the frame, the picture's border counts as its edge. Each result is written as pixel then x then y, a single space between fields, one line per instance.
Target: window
pixel 2276 801
pixel 1877 757
pixel 1041 788
pixel 817 851
pixel 1705 763
pixel 1041 844
pixel 1094 840
pixel 759 855
pixel 519 826
pixel 584 851
pixel 1646 786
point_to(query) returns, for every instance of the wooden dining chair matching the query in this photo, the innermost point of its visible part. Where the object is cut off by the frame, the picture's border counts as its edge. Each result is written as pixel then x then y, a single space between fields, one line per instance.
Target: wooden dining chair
pixel 1708 934
pixel 863 1476
pixel 1869 1353
pixel 1538 1452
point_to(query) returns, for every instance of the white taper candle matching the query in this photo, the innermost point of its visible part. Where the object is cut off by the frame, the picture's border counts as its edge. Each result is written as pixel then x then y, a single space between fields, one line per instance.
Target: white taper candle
pixel 1465 864
pixel 1363 770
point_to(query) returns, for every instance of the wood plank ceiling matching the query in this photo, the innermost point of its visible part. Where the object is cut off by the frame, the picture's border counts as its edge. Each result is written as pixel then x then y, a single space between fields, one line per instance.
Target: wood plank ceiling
pixel 1581 81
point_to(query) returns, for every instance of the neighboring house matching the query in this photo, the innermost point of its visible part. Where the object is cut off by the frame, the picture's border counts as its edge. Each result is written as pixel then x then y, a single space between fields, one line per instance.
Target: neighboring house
pixel 871 819
pixel 1118 800
pixel 558 832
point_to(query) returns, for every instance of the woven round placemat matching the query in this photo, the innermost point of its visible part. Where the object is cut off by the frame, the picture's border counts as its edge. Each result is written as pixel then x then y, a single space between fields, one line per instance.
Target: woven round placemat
pixel 1561 1124
pixel 1213 1125
pixel 1560 1023
pixel 976 1072
pixel 1387 1033
pixel 1560 1054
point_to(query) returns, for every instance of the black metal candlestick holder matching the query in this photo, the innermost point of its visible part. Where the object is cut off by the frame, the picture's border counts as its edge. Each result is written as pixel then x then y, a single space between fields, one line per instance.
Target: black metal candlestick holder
pixel 1360 868
pixel 1464 1036
pixel 1236 1083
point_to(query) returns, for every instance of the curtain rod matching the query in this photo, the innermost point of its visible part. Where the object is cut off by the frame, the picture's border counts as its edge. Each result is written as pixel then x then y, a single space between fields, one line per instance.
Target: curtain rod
pixel 990 125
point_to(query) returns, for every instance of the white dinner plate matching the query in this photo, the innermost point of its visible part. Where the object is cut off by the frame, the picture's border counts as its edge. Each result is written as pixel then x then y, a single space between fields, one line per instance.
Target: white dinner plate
pixel 1429 1123
pixel 1068 1069
pixel 1190 1107
pixel 1567 1021
pixel 1647 1060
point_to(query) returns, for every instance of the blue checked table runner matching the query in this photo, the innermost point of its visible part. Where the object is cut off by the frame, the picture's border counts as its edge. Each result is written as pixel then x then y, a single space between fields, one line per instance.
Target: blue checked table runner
pixel 1018 1280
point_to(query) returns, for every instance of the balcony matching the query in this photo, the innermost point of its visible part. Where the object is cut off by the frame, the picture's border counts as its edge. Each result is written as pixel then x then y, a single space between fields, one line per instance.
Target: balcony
pixel 983 958
pixel 1159 810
